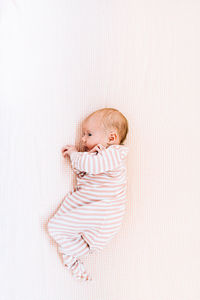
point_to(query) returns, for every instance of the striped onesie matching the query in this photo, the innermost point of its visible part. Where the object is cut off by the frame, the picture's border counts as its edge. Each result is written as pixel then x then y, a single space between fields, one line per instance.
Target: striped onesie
pixel 91 215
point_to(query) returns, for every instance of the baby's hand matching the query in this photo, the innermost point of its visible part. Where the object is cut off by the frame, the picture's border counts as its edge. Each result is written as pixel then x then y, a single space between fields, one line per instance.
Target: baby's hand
pixel 67 150
pixel 98 148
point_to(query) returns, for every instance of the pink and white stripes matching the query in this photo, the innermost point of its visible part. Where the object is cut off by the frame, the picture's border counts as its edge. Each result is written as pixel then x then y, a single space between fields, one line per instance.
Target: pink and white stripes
pixel 91 215
pixel 93 163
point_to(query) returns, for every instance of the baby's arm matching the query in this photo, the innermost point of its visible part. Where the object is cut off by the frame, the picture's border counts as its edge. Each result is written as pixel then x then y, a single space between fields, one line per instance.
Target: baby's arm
pixel 95 163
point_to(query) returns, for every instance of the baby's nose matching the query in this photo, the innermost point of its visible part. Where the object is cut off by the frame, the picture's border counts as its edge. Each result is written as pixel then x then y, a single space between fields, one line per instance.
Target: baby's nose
pixel 83 139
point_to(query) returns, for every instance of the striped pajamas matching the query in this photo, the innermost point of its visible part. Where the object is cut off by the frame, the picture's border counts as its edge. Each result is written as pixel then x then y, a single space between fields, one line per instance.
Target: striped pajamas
pixel 91 214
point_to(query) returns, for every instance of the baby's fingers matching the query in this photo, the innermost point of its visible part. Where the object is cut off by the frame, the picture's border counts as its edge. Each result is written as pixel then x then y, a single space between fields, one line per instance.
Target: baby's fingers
pixel 101 146
pixel 66 148
pixel 97 148
pixel 63 150
pixel 64 153
pixel 94 149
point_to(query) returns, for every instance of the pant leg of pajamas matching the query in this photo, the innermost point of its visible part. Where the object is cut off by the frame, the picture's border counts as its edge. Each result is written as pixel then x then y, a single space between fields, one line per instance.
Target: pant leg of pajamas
pixel 71 245
pixel 84 223
pixel 74 231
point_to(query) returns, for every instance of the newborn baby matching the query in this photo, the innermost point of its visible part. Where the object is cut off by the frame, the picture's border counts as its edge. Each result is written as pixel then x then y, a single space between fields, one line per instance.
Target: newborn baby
pixel 91 215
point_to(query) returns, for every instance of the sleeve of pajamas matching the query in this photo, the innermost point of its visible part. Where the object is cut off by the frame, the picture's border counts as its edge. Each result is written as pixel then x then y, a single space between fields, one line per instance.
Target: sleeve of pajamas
pixel 93 163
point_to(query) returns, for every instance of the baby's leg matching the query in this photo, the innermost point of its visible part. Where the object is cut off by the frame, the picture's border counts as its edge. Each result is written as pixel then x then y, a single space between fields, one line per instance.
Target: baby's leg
pixel 74 229
pixel 70 243
pixel 72 246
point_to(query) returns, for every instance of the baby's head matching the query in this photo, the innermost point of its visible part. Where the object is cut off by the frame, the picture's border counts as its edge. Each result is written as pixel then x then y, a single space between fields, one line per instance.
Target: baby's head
pixel 106 126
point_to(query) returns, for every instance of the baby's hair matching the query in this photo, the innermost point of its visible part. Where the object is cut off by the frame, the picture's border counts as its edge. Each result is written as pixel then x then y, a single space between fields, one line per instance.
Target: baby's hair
pixel 112 118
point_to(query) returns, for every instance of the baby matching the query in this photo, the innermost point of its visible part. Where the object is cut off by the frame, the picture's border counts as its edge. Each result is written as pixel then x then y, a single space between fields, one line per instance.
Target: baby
pixel 91 215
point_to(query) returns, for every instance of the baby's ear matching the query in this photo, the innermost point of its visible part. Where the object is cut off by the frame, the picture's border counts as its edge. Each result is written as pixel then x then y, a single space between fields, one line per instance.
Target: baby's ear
pixel 112 138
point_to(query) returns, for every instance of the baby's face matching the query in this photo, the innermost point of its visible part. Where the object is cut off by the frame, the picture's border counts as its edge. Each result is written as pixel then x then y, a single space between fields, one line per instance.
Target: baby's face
pixel 93 133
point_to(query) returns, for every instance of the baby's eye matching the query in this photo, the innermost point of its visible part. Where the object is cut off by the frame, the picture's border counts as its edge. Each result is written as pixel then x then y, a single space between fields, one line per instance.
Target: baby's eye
pixel 89 134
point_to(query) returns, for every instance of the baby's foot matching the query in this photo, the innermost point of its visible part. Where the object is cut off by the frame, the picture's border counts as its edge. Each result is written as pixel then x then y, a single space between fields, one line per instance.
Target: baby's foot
pixel 79 272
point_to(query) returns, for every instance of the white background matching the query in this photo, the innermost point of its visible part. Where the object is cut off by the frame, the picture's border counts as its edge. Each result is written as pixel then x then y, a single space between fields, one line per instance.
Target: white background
pixel 61 60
